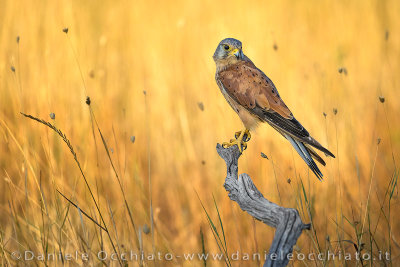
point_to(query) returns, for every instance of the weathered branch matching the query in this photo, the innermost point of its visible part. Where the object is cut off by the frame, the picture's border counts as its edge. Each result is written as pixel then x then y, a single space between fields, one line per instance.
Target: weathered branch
pixel 287 221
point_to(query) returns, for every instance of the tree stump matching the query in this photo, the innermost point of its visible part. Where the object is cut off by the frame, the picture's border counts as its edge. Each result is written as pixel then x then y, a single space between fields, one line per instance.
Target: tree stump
pixel 287 221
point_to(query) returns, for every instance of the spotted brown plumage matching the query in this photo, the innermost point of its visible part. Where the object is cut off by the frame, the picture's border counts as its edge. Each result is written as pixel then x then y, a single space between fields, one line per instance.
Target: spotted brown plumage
pixel 255 98
pixel 250 88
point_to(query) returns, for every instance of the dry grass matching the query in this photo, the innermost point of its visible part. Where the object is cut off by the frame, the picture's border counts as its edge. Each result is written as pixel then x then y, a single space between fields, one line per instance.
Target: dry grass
pixel 114 51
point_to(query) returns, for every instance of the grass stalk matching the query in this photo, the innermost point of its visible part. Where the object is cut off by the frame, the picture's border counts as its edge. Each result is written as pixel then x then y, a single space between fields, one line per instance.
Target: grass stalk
pixel 68 143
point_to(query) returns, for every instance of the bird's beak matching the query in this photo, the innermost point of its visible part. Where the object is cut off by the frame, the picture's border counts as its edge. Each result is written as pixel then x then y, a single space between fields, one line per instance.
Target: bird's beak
pixel 237 52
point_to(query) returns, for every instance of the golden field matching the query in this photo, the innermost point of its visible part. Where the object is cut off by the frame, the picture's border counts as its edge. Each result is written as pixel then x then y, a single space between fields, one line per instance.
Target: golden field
pixel 116 50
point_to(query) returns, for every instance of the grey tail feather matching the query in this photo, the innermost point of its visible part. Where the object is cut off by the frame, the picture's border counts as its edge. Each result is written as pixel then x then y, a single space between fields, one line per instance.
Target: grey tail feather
pixel 314 155
pixel 305 155
pixel 318 146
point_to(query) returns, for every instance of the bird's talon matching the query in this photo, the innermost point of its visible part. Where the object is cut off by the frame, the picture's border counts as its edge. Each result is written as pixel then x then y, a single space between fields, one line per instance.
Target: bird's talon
pixel 246 136
pixel 241 139
pixel 244 145
pixel 237 134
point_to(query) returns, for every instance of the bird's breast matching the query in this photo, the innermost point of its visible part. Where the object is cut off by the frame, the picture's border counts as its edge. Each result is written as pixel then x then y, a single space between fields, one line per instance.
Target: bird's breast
pixel 229 99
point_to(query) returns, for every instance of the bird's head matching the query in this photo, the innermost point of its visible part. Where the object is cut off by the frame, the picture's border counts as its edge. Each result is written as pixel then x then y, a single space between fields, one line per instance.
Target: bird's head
pixel 229 50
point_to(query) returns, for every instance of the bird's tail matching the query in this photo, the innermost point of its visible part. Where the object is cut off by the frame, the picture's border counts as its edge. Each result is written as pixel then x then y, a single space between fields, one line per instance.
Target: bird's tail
pixel 306 154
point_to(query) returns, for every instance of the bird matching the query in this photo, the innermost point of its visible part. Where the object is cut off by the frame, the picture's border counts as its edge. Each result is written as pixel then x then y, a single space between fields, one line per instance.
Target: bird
pixel 254 97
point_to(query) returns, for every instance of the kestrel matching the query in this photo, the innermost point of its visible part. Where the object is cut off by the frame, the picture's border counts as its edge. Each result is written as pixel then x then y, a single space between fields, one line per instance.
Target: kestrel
pixel 253 96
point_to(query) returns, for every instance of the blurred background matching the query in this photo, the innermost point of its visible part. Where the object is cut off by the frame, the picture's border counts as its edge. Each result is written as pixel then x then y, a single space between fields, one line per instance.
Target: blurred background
pixel 148 70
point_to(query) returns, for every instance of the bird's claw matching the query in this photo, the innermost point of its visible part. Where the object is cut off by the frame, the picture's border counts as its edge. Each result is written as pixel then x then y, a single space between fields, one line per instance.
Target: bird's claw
pixel 241 139
pixel 246 135
pixel 237 134
pixel 241 144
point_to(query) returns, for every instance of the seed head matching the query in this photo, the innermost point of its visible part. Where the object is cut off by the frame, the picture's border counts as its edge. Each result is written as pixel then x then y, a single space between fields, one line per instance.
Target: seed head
pixel 133 139
pixel 12 68
pixel 91 74
pixel 323 113
pixel 335 111
pixel 88 101
pixel 17 39
pixel 200 105
pixel 382 99
pixel 343 70
pixel 264 156
pixel 146 229
pixel 65 30
pixel 52 116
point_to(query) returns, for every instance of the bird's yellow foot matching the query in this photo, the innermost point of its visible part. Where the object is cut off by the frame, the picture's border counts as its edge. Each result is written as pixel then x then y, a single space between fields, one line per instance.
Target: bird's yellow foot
pixel 246 135
pixel 242 137
pixel 241 144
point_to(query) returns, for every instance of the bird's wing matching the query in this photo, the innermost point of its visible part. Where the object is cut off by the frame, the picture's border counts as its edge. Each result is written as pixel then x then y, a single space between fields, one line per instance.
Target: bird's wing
pixel 252 89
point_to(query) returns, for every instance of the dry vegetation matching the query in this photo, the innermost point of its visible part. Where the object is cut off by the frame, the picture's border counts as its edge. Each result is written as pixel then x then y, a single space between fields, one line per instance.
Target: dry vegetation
pixel 147 66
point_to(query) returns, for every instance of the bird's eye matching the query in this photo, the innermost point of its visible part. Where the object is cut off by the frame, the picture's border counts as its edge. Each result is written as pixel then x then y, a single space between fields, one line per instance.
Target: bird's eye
pixel 226 47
